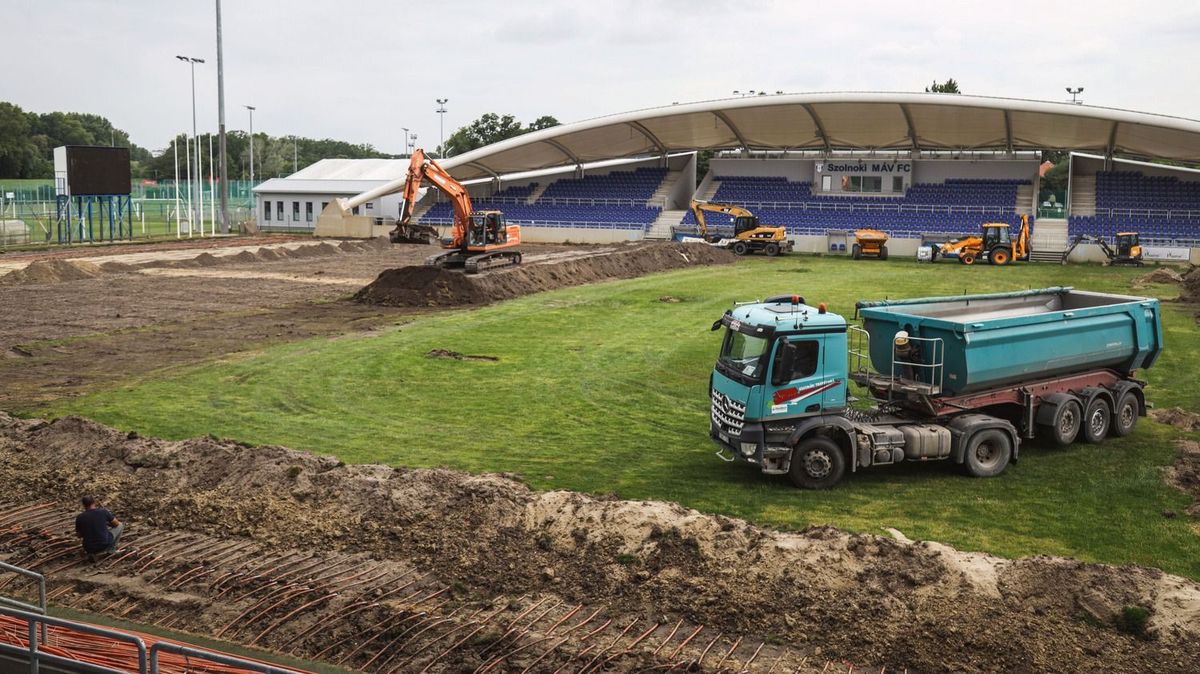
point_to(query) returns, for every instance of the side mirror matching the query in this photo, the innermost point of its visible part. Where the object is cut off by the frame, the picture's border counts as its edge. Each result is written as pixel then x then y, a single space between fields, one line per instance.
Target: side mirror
pixel 784 364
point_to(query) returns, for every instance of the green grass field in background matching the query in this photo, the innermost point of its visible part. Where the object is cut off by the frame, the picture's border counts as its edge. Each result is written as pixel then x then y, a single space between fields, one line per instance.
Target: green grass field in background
pixel 602 389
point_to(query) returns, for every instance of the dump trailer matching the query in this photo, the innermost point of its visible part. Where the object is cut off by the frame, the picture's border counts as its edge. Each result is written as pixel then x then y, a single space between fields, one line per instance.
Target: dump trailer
pixel 963 379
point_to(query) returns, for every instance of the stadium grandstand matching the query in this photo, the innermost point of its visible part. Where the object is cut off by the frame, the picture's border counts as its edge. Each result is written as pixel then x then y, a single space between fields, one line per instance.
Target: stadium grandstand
pixel 918 166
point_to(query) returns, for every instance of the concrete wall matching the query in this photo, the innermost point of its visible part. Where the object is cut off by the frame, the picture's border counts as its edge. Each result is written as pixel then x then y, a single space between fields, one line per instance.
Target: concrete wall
pixel 578 235
pixel 938 170
pixel 797 170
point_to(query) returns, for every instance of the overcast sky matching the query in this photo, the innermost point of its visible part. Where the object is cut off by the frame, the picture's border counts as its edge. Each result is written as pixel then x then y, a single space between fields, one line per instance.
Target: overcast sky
pixel 359 70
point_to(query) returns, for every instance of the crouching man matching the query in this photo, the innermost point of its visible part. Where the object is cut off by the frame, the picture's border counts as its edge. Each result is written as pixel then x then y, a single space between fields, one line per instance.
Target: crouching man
pixel 98 528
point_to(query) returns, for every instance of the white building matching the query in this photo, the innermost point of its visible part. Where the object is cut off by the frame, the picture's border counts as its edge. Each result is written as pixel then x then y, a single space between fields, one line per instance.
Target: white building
pixel 295 202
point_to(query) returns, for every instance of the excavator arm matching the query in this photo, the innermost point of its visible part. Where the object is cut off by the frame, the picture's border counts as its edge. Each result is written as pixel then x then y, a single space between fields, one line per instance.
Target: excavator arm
pixel 700 207
pixel 421 169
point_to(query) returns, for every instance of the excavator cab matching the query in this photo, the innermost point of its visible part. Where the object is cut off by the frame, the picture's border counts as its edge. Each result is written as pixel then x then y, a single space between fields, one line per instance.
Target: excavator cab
pixel 487 228
pixel 744 223
pixel 1129 246
pixel 995 234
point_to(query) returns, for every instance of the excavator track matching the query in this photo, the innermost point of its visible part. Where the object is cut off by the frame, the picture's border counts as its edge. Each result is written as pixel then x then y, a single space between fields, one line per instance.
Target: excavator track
pixel 500 258
pixel 473 264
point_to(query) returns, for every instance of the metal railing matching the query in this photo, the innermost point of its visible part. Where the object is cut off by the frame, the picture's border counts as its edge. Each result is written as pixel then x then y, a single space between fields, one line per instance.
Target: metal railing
pixel 854 207
pixel 147 659
pixel 550 223
pixel 930 374
pixel 37 656
pixel 1155 213
pixel 195 653
pixel 41 583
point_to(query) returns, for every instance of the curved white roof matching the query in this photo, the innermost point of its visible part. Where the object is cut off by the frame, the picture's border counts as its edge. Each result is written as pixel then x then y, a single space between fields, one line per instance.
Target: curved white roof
pixel 839 121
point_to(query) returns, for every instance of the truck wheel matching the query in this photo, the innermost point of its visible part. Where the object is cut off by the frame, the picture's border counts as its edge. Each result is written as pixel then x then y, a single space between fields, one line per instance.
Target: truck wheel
pixel 1068 417
pixel 999 256
pixel 1125 415
pixel 741 248
pixel 817 463
pixel 1096 419
pixel 771 249
pixel 988 453
pixel 966 258
pixel 856 251
pixel 883 252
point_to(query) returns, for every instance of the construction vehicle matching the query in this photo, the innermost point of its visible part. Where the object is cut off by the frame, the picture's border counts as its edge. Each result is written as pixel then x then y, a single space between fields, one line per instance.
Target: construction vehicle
pixel 945 373
pixel 749 236
pixel 869 243
pixel 994 244
pixel 478 240
pixel 1127 252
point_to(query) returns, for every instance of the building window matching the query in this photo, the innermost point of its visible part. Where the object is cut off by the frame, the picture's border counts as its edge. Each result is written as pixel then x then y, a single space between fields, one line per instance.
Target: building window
pixel 862 183
pixel 279 210
pixel 266 210
pixel 826 183
pixel 295 211
pixel 370 205
pixel 897 183
pixel 308 212
pixel 323 205
pixel 354 210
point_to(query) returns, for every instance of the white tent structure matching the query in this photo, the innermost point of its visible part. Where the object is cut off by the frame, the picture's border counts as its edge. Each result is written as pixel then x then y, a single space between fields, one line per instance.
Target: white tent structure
pixel 835 122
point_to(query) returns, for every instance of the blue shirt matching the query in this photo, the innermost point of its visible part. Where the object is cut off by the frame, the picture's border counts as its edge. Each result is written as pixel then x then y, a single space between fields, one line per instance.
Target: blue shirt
pixel 92 525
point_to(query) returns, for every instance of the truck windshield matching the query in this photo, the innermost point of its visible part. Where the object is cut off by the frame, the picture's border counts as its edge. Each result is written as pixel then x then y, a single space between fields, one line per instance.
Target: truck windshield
pixel 742 355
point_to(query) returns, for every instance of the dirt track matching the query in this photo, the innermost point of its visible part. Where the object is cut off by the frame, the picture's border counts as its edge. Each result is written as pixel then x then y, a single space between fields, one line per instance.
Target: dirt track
pixel 483 562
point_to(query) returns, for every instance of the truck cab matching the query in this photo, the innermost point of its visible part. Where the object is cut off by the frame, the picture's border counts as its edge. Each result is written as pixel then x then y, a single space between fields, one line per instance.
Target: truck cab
pixel 782 362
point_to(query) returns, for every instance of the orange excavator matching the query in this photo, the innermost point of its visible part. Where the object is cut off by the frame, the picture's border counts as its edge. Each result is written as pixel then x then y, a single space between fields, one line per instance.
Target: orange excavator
pixel 478 240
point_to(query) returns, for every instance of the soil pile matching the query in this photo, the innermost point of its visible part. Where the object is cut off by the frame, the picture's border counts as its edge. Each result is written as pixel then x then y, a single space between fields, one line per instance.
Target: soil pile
pixel 1160 275
pixel 869 599
pixel 433 287
pixel 1177 417
pixel 1184 474
pixel 1191 286
pixel 54 270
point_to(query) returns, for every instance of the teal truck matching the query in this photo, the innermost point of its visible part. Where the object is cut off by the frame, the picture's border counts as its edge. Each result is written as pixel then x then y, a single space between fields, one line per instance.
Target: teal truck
pixel 962 379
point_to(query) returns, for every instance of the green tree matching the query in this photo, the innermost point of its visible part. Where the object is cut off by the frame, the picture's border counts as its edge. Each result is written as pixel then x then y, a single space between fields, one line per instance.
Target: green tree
pixel 950 86
pixel 17 150
pixel 492 128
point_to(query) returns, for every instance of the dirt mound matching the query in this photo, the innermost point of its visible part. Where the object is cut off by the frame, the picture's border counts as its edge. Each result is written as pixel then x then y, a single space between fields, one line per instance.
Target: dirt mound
pixel 1160 275
pixel 1184 474
pixel 424 286
pixel 868 599
pixel 54 270
pixel 268 254
pixel 432 286
pixel 1177 417
pixel 117 268
pixel 244 256
pixel 1191 286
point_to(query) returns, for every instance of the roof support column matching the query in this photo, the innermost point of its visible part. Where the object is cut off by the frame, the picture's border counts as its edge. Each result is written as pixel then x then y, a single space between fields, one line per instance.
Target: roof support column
pixel 820 127
pixel 737 133
pixel 1112 147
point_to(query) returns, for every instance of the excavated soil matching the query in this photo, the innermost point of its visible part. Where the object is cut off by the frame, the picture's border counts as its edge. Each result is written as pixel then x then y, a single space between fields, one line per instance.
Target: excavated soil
pixel 1177 417
pixel 1164 275
pixel 486 546
pixel 435 287
pixel 1184 474
pixel 1191 286
pixel 52 271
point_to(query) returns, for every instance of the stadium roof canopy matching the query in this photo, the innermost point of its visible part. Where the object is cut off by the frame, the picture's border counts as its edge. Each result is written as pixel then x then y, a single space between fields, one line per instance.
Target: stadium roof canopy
pixel 833 122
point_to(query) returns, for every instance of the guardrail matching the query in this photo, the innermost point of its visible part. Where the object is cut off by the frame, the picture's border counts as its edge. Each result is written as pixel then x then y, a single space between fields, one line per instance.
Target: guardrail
pixel 37 656
pixel 1156 213
pixel 551 223
pixel 848 207
pixel 41 583
pixel 147 658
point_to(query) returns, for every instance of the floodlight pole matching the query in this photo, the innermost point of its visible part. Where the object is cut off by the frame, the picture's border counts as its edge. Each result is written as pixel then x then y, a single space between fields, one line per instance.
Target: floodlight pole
pixel 251 108
pixel 224 173
pixel 1075 91
pixel 405 152
pixel 442 127
pixel 192 61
